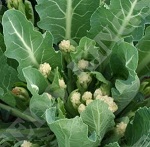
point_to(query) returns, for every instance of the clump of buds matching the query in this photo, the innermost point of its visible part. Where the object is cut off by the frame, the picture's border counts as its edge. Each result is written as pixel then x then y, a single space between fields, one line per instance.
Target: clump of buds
pixel 66 46
pixel 80 102
pixel 99 94
pixel 112 106
pixel 26 144
pixel 121 128
pixel 83 64
pixel 75 99
pixel 62 83
pixel 21 93
pixel 84 80
pixel 87 96
pixel 45 69
pixel 81 108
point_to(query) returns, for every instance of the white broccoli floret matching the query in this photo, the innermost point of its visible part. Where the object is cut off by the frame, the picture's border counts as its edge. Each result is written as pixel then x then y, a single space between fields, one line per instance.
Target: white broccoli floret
pixel 81 108
pixel 75 99
pixel 83 64
pixel 84 78
pixel 62 83
pixel 120 128
pixel 86 96
pixel 66 46
pixel 97 92
pixel 45 69
pixel 26 144
pixel 112 106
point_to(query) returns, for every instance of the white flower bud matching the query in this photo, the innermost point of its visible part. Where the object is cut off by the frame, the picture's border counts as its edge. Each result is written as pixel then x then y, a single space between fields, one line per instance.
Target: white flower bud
pixel 108 100
pixel 20 92
pixel 45 69
pixel 86 96
pixel 75 99
pixel 84 78
pixel 120 128
pixel 89 101
pixel 62 83
pixel 83 64
pixel 81 108
pixel 113 107
pixel 97 92
pixel 26 144
pixel 66 46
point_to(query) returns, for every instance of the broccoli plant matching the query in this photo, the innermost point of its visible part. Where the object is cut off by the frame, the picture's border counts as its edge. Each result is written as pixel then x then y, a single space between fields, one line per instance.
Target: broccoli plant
pixel 77 77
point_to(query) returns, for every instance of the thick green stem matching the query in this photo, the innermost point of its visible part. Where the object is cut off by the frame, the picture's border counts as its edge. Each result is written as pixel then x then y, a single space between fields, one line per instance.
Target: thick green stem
pixel 25 132
pixel 17 113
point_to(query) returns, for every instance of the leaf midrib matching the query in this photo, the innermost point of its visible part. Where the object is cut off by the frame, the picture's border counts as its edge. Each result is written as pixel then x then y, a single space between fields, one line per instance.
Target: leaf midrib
pixel 126 21
pixel 29 50
pixel 68 19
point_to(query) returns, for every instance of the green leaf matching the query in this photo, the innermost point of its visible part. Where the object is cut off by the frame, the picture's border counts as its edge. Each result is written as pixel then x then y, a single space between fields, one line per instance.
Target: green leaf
pixel 99 77
pixel 61 108
pixel 28 46
pixel 66 19
pixel 36 82
pixel 70 132
pixel 8 76
pixel 123 63
pixel 2 45
pixel 29 11
pixel 115 144
pixel 86 50
pixel 98 118
pixel 121 19
pixel 138 130
pixel 39 104
pixel 144 54
pixel 55 90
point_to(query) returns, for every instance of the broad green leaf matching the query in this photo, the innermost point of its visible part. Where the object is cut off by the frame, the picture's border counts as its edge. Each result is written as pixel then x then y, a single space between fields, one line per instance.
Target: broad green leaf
pixel 98 118
pixel 70 132
pixel 138 130
pixel 123 63
pixel 115 144
pixel 39 104
pixel 144 54
pixel 36 82
pixel 123 18
pixel 8 77
pixel 66 19
pixel 28 46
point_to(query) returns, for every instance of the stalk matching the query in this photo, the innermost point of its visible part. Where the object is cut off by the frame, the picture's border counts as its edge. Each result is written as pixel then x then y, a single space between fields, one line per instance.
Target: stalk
pixel 17 113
